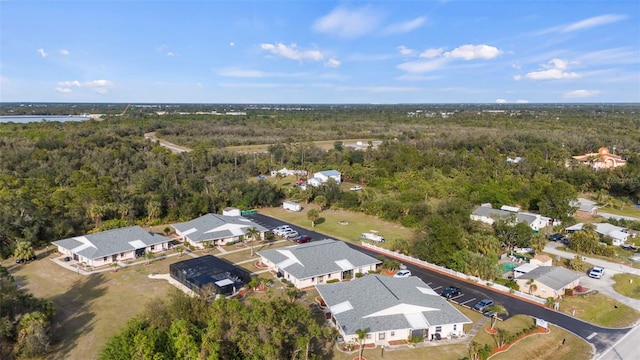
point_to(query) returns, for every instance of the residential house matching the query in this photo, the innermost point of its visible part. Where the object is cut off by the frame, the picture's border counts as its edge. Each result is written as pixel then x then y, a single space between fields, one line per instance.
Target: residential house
pixel 317 262
pixel 288 172
pixel 112 246
pixel 585 207
pixel 617 234
pixel 322 177
pixel 391 308
pixel 550 281
pixel 603 159
pixel 489 215
pixel 215 230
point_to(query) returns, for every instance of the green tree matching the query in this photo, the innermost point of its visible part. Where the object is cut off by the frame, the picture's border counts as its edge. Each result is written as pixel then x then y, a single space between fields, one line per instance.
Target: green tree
pixel 321 201
pixel 33 338
pixel 313 215
pixel 254 234
pixel 497 310
pixel 557 200
pixel 149 256
pixel 185 340
pixel 362 335
pixel 23 250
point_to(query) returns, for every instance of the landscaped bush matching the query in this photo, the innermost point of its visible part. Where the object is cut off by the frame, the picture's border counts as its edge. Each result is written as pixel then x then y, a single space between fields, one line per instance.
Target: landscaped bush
pixel 332 281
pixel 568 292
pixel 359 275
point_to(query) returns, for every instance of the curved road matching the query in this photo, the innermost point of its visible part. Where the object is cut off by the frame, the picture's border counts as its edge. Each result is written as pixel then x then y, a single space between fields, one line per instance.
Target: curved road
pixel 601 338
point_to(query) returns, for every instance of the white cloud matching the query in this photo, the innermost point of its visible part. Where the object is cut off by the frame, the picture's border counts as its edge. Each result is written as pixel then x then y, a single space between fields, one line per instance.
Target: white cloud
pixel 69 83
pixel 292 52
pixel 581 93
pixel 63 90
pixel 406 51
pixel 42 53
pixel 431 53
pixel 333 63
pixel 501 101
pixel 517 77
pixel 64 52
pixel 233 72
pixel 423 66
pixel 593 22
pixel 232 44
pixel 522 101
pixel 98 86
pixel 405 27
pixel 348 23
pixel 471 52
pixel 554 69
pixel 170 53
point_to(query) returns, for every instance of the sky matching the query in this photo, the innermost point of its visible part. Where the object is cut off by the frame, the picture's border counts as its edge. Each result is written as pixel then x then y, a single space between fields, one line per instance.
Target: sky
pixel 317 52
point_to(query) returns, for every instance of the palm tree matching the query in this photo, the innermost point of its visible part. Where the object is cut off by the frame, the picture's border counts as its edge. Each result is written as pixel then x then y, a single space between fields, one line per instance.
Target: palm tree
pixel 321 201
pixel 149 256
pixel 313 215
pixel 474 348
pixel 532 286
pixel 114 265
pixel 362 335
pixel 254 234
pixel 497 309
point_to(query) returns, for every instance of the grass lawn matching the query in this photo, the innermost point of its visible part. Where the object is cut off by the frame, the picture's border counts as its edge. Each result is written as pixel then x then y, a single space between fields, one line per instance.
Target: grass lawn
pixel 627 285
pixel 600 310
pixel 341 224
pixel 548 346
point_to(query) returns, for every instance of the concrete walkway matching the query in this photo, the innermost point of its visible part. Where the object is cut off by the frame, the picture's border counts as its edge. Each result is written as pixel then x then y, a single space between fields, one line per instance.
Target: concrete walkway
pixel 605 284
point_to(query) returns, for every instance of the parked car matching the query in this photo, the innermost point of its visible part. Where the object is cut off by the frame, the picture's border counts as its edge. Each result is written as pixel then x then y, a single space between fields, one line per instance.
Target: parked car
pixel 290 234
pixel 596 272
pixel 21 260
pixel 482 305
pixel 356 188
pixel 451 291
pixel 281 229
pixel 556 237
pixel 301 239
pixel 629 248
pixel 402 274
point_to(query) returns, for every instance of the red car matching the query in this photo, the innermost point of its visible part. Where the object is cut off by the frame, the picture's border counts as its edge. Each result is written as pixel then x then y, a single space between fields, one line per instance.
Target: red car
pixel 302 239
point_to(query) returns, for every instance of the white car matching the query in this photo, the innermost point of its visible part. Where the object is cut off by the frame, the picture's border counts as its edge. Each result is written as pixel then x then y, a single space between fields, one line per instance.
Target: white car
pixel 402 274
pixel 356 188
pixel 281 229
pixel 596 272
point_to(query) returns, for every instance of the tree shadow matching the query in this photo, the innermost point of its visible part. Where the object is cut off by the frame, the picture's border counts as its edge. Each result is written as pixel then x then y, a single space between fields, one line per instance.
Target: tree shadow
pixel 320 221
pixel 74 313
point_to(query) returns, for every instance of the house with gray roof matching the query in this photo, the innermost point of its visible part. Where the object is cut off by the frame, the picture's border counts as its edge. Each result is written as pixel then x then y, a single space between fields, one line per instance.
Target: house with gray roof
pixel 112 245
pixel 317 262
pixel 550 281
pixel 391 308
pixel 617 234
pixel 489 215
pixel 322 177
pixel 213 229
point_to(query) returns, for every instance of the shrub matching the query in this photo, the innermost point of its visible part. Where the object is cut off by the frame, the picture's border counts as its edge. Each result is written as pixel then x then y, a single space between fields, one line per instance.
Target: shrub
pixel 579 288
pixel 359 275
pixel 568 292
pixel 332 281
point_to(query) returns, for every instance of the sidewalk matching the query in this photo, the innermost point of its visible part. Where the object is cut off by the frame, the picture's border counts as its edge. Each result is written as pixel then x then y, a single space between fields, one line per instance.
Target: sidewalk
pixel 605 284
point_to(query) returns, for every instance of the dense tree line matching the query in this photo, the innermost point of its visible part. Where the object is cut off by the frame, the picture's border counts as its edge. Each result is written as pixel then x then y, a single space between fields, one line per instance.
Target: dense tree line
pixel 25 321
pixel 64 179
pixel 192 328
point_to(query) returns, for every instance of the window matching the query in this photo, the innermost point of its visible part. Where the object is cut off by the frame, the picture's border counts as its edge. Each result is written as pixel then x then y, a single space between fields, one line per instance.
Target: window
pixel 368 336
pixel 393 333
pixel 381 336
pixel 329 276
pixel 455 327
pixel 104 258
pixel 438 329
pixel 121 254
pixel 153 247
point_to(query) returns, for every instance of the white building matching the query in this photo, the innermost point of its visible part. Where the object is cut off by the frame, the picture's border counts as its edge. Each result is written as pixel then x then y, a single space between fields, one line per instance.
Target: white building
pixel 617 234
pixel 215 230
pixel 323 177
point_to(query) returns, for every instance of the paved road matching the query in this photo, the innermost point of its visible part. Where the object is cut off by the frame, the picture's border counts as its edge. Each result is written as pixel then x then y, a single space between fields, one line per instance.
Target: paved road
pixel 617 217
pixel 625 349
pixel 601 338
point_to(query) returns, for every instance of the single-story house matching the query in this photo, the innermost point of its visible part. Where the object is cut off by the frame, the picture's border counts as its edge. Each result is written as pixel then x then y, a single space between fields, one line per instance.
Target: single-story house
pixel 585 207
pixel 541 260
pixel 317 262
pixel 489 215
pixel 550 281
pixel 322 177
pixel 112 246
pixel 288 172
pixel 198 273
pixel 391 308
pixel 524 269
pixel 617 234
pixel 215 230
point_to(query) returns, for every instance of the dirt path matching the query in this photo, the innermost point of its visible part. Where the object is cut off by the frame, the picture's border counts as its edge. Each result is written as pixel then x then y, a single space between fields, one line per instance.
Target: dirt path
pixel 176 149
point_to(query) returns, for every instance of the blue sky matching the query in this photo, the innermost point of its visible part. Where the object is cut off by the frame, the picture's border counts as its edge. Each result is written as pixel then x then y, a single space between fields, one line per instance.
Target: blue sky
pixel 320 51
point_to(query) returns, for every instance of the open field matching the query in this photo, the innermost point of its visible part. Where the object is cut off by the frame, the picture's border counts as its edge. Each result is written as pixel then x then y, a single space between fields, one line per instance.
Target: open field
pixel 331 223
pixel 600 310
pixel 263 148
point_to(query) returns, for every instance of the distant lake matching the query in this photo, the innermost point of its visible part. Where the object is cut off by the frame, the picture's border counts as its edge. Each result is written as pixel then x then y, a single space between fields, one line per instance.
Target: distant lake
pixel 22 119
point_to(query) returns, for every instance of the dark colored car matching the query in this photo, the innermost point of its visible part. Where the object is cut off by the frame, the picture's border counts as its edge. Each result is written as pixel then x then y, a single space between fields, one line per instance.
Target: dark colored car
pixel 556 237
pixel 451 291
pixel 31 258
pixel 302 239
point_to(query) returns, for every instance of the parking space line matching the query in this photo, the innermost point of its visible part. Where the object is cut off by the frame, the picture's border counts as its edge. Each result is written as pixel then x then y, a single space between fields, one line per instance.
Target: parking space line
pixel 455 297
pixel 470 300
pixel 437 287
pixel 592 336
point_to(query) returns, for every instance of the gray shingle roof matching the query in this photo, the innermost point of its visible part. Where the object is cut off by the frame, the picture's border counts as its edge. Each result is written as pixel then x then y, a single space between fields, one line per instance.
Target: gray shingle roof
pixel 383 303
pixel 111 242
pixel 210 227
pixel 493 213
pixel 555 277
pixel 317 258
